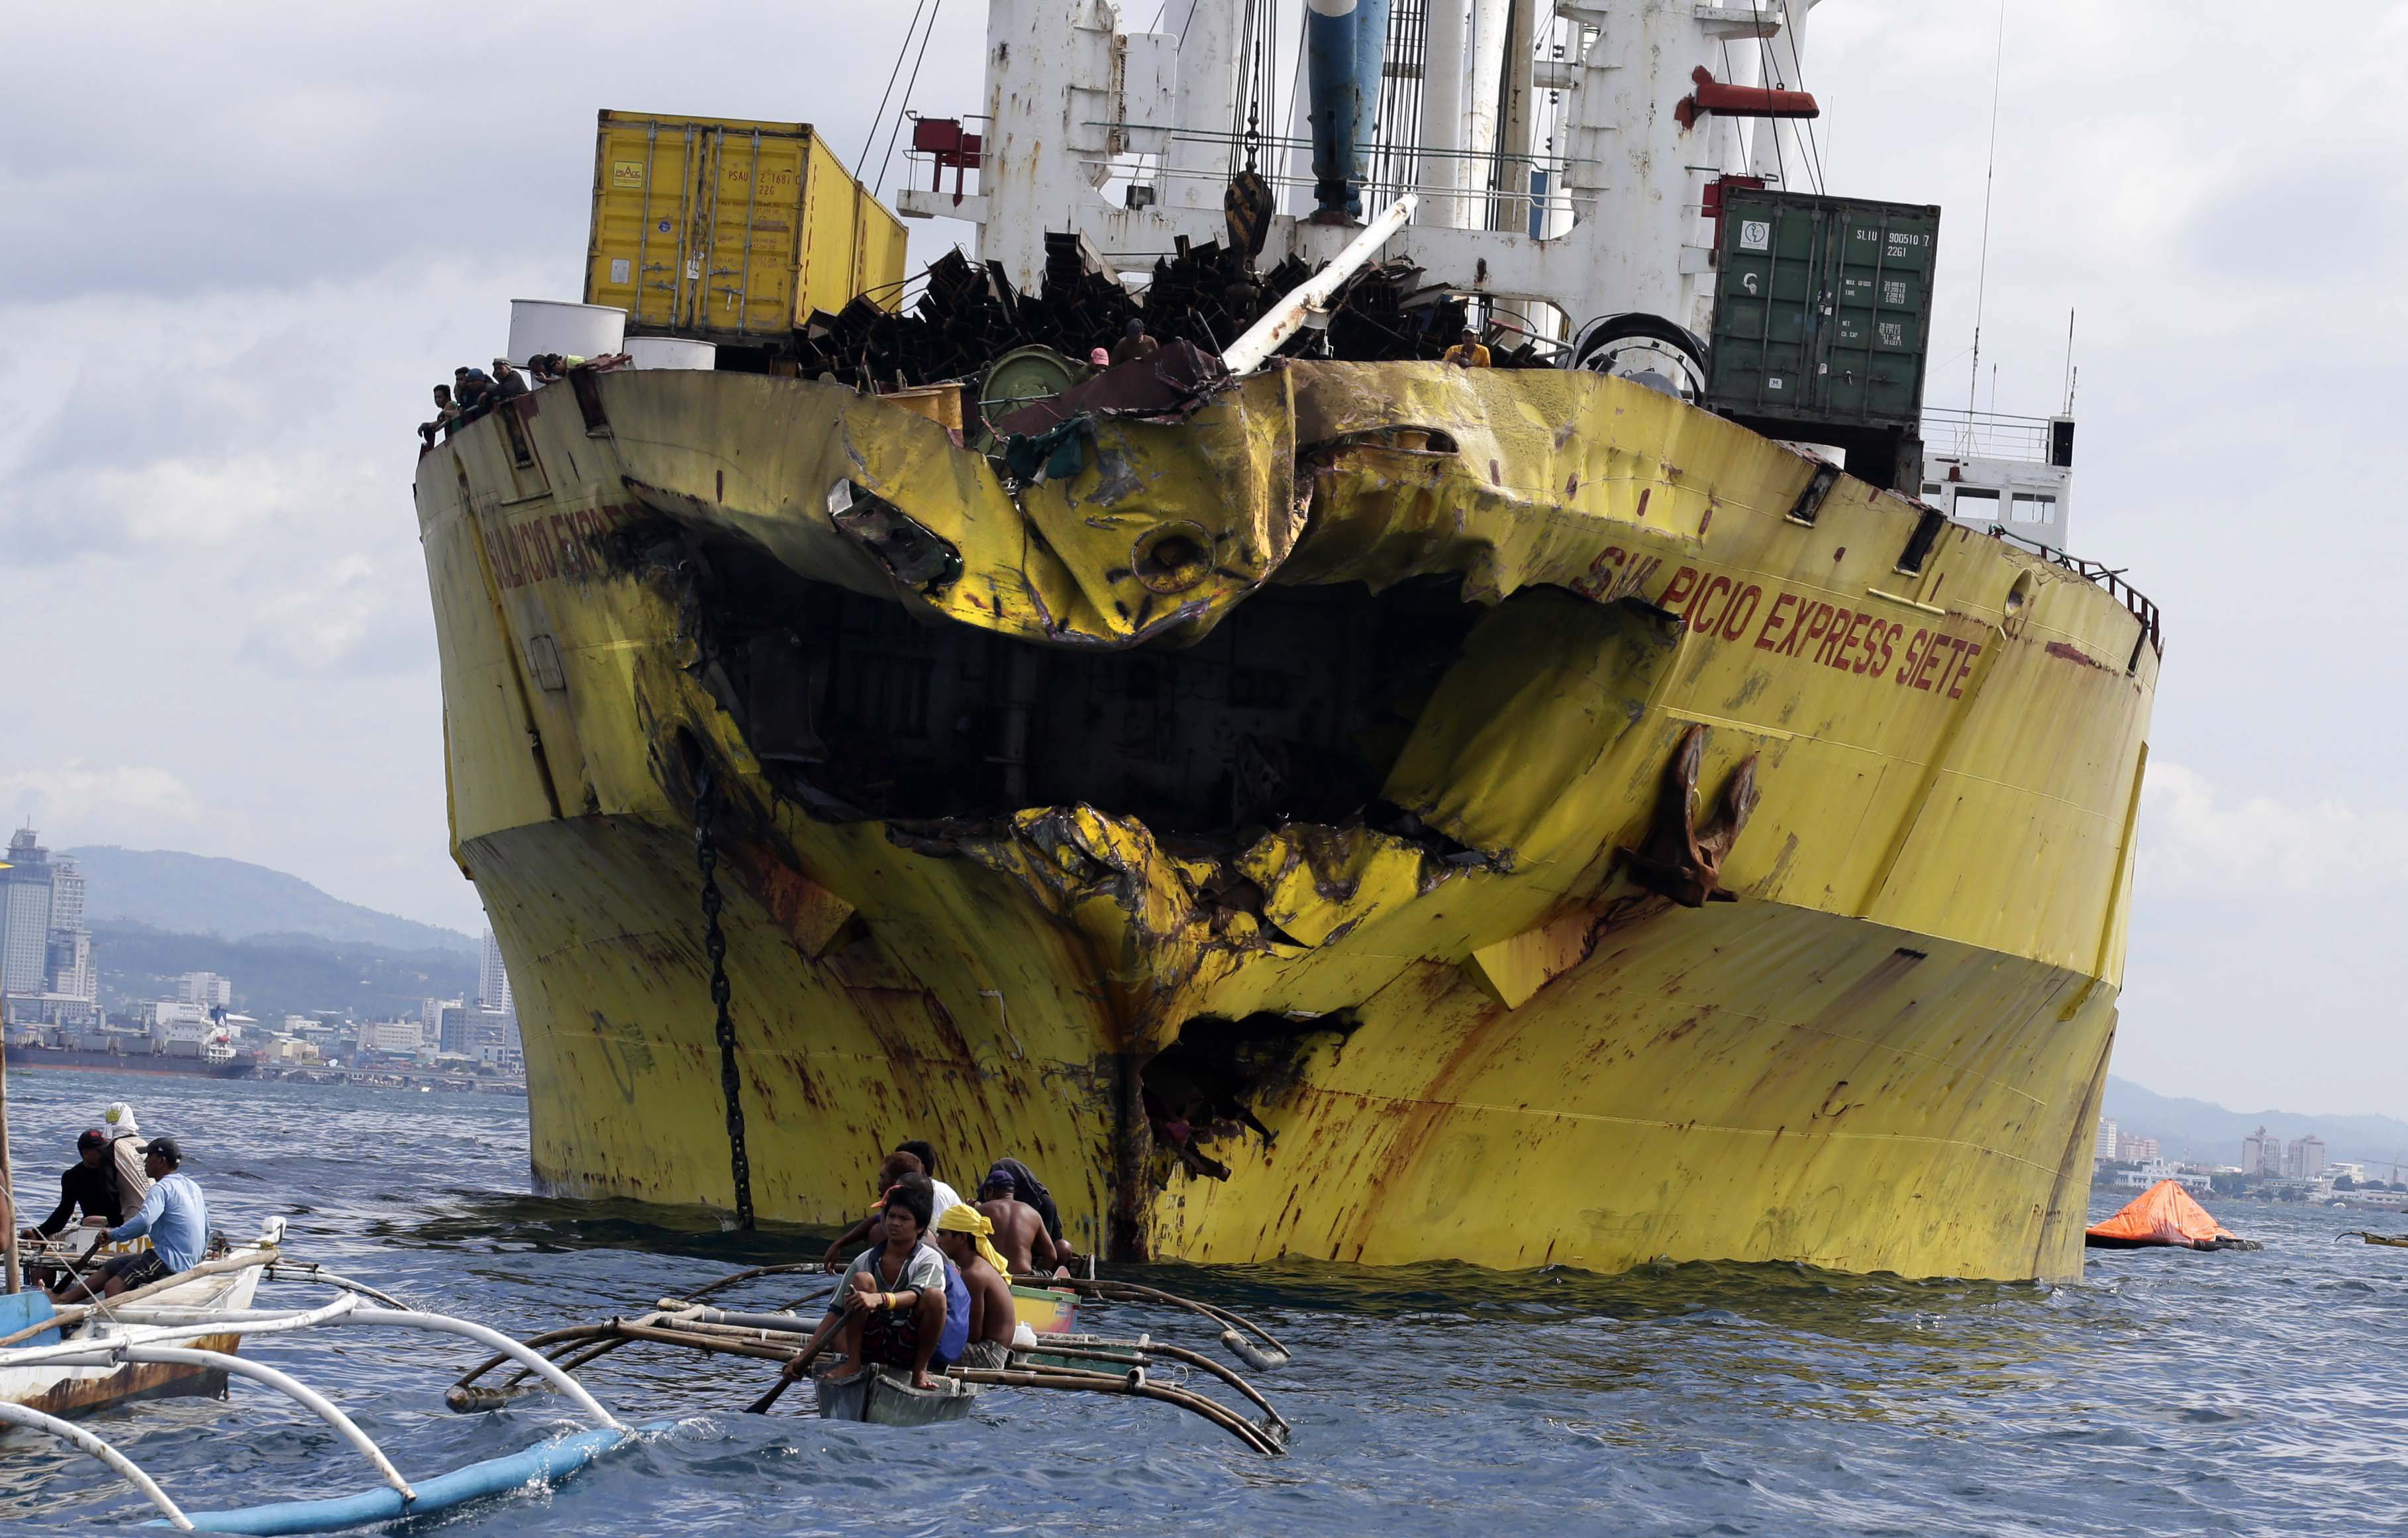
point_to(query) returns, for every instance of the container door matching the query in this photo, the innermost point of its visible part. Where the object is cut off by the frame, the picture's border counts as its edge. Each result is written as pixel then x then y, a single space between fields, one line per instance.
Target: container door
pixel 636 258
pixel 1881 267
pixel 1766 323
pixel 748 280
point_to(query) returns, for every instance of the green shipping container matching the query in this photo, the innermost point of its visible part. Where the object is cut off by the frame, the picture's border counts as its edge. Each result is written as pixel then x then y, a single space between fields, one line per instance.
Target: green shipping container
pixel 1822 313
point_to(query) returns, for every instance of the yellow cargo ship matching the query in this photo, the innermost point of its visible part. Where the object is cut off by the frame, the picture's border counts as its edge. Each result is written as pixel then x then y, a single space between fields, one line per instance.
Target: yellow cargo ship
pixel 1378 812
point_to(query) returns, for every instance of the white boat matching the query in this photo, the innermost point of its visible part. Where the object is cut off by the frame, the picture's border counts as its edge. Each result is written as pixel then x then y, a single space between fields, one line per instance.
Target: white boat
pixel 226 1284
pixel 178 1336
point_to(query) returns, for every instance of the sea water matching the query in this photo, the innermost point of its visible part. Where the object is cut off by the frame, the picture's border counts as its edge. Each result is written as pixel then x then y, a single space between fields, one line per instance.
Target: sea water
pixel 2166 1392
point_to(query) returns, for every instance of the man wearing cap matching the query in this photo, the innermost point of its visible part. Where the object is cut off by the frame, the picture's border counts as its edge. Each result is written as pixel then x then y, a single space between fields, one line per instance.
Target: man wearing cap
pixel 508 382
pixel 91 1184
pixel 176 1217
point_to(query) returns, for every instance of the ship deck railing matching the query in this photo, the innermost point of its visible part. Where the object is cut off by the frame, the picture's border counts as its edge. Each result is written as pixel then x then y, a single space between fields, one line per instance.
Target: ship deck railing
pixel 2143 608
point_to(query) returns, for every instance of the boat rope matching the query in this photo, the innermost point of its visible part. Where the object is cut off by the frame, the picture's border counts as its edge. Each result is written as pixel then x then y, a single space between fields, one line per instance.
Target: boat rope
pixel 714 944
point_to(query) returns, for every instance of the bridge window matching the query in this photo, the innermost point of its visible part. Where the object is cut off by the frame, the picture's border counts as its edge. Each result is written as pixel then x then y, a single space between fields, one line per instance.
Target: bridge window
pixel 2034 508
pixel 1977 502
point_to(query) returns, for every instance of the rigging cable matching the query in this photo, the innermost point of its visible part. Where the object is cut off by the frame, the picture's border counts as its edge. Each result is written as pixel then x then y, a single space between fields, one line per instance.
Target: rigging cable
pixel 903 108
pixel 1780 168
pixel 1989 177
pixel 1797 79
pixel 879 116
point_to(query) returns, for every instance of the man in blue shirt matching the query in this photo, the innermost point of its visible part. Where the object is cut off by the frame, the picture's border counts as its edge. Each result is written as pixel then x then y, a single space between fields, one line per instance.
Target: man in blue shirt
pixel 176 1217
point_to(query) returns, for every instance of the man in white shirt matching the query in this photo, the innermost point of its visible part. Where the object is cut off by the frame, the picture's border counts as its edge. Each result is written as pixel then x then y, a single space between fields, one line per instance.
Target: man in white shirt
pixel 908 1158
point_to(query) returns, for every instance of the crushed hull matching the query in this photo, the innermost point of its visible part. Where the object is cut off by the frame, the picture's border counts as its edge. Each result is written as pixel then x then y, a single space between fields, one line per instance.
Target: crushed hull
pixel 1481 1021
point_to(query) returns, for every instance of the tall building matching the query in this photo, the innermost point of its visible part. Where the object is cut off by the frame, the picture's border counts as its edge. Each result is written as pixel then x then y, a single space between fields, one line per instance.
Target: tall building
pixel 2261 1154
pixel 25 917
pixel 2304 1158
pixel 2132 1150
pixel 2105 1145
pixel 71 971
pixel 205 988
pixel 493 979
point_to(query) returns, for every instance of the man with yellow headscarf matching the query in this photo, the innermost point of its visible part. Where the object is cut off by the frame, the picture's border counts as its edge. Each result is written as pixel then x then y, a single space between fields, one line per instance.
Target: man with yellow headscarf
pixel 963 1233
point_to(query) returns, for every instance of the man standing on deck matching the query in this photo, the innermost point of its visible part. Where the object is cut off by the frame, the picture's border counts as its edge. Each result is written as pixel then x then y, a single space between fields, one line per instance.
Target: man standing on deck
pixel 1467 353
pixel 1134 342
pixel 176 1217
pixel 91 1184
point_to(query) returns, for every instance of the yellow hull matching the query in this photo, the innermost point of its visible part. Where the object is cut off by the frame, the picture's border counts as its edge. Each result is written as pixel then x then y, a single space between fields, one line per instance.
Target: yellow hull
pixel 1479 1026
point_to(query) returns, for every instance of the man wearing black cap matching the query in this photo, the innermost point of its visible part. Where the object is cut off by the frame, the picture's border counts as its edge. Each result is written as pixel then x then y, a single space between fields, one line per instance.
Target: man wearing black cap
pixel 91 1184
pixel 176 1217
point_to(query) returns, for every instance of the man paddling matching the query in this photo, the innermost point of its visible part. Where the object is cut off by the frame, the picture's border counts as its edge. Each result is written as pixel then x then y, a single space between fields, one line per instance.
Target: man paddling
pixel 175 1215
pixel 897 1300
pixel 90 1184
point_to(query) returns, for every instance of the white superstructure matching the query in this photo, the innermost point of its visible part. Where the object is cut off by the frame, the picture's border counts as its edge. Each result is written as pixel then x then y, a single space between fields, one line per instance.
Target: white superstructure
pixel 1575 121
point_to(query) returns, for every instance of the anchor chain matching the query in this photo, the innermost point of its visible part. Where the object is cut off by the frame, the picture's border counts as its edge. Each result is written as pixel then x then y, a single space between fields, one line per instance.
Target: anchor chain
pixel 714 944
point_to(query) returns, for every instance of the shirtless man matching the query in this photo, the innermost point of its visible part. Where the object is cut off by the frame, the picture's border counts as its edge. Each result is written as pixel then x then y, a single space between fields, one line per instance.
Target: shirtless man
pixel 963 1233
pixel 1020 1231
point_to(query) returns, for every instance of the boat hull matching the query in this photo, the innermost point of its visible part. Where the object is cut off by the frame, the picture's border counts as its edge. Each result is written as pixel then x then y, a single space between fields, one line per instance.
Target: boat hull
pixel 71 1392
pixel 884 1397
pixel 1475 1033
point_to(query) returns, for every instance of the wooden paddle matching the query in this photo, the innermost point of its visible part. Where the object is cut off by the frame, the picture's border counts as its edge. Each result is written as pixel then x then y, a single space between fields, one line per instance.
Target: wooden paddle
pixel 789 1378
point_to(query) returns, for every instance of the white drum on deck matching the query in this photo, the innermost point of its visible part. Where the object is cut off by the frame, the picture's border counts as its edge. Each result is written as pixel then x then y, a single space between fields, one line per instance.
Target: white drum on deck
pixel 671 353
pixel 548 325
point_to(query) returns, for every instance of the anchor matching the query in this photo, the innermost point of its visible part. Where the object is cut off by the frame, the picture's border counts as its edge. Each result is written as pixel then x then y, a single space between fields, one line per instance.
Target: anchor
pixel 1679 860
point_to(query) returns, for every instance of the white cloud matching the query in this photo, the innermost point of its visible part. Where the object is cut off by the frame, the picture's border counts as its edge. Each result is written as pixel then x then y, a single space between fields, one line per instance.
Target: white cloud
pixel 84 796
pixel 2200 838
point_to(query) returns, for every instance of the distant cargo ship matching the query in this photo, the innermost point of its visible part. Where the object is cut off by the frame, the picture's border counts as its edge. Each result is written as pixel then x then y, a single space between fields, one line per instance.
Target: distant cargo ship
pixel 1356 806
pixel 233 1066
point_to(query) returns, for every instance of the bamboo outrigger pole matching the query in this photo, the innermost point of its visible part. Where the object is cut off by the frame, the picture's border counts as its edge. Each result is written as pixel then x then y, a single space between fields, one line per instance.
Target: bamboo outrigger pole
pixel 7 1169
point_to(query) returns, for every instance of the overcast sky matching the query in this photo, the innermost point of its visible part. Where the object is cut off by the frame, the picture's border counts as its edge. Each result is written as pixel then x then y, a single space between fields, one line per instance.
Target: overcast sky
pixel 243 240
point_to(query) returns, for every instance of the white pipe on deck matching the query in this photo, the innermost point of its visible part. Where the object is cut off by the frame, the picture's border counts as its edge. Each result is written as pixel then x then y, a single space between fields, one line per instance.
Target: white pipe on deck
pixel 123 1467
pixel 1488 25
pixel 1285 318
pixel 1442 127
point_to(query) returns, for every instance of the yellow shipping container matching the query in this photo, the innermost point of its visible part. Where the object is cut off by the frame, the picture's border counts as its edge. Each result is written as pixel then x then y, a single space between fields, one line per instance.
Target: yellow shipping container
pixel 726 227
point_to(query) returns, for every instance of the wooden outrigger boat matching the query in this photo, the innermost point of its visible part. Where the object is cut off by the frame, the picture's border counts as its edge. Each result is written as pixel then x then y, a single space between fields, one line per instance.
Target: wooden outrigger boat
pixel 1049 1355
pixel 223 1286
pixel 167 1337
pixel 2397 1241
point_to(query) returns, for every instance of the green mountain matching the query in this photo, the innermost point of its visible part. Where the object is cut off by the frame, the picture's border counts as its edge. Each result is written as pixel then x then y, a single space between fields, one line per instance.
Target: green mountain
pixel 275 975
pixel 2196 1130
pixel 199 895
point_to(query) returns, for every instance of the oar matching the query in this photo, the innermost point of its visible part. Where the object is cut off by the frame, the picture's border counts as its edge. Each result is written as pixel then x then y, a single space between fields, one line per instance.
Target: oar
pixel 788 1378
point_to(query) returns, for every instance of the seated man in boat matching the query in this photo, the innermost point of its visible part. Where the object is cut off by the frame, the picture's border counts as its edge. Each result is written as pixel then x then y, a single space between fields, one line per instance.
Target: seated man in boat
pixel 908 1158
pixel 90 1184
pixel 176 1217
pixel 1027 1228
pixel 963 1233
pixel 904 1306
